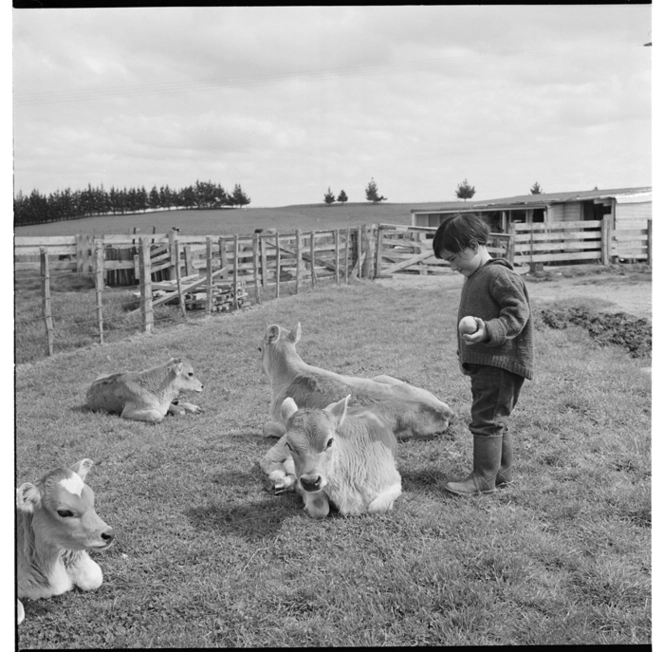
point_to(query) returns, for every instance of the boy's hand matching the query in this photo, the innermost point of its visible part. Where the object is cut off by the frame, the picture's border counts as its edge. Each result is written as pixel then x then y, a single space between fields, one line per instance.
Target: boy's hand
pixel 478 336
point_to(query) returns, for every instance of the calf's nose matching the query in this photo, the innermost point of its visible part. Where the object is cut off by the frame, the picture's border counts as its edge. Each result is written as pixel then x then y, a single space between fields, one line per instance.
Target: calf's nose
pixel 311 484
pixel 108 536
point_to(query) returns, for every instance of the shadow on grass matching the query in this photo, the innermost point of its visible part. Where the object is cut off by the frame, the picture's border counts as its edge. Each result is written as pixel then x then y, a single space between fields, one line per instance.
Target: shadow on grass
pixel 262 518
pixel 251 522
pixel 83 408
pixel 422 478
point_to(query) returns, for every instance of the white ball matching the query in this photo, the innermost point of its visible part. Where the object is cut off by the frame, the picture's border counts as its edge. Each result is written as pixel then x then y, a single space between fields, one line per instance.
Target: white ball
pixel 468 325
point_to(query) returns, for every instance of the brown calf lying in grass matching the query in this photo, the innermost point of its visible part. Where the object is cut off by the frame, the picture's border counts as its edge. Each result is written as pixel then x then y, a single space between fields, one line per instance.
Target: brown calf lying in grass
pixel 409 411
pixel 343 456
pixel 146 395
pixel 56 523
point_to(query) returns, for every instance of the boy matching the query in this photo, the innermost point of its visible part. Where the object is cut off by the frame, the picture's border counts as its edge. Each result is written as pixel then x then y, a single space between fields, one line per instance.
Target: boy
pixel 497 356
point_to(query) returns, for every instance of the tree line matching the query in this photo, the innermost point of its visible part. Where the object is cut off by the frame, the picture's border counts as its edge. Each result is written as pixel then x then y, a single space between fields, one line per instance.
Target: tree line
pixel 465 191
pixel 370 192
pixel 36 208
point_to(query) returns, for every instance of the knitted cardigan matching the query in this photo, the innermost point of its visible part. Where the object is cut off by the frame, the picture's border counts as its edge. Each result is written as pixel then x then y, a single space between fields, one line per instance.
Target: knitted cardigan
pixel 499 296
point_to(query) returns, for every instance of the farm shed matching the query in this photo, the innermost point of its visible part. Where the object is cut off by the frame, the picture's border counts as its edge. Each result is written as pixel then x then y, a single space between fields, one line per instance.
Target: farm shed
pixel 623 205
pixel 628 212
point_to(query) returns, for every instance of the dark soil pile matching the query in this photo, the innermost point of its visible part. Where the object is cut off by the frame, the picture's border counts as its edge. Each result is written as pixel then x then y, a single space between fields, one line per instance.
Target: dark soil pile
pixel 618 328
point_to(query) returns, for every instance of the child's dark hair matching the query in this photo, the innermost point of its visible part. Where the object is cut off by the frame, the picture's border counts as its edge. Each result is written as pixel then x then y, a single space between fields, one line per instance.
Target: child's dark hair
pixel 456 232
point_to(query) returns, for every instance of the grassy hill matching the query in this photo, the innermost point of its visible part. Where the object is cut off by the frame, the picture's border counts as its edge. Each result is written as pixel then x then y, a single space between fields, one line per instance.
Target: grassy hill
pixel 308 217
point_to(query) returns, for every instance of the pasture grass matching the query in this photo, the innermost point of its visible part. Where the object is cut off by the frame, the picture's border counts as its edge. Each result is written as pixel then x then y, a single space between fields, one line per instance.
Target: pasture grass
pixel 74 316
pixel 307 217
pixel 74 313
pixel 206 557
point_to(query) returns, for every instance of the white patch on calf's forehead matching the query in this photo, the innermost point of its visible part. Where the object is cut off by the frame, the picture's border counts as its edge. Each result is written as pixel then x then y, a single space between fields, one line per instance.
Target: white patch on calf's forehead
pixel 73 484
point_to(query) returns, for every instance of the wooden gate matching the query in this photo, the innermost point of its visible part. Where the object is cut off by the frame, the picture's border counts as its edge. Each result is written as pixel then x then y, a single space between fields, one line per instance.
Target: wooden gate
pixel 409 248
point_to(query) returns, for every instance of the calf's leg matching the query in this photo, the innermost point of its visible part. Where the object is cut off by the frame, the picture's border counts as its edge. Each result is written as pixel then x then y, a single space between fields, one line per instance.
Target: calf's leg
pixel 150 415
pixel 85 573
pixel 385 500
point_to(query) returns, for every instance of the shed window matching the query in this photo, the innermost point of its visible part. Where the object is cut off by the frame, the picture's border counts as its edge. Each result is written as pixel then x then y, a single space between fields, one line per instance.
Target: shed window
pixel 538 215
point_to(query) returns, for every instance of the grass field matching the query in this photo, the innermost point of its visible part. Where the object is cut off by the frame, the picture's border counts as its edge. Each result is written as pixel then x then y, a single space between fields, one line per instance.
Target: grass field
pixel 307 217
pixel 204 556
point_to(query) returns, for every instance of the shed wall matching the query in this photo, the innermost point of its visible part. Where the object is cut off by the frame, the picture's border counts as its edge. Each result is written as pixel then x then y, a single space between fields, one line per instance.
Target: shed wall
pixel 572 212
pixel 637 212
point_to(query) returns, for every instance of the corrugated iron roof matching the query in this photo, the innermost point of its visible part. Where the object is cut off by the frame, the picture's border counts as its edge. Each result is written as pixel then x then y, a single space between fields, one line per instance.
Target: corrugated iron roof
pixel 535 201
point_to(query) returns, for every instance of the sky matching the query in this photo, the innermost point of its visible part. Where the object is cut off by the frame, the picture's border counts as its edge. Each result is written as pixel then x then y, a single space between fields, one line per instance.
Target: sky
pixel 291 101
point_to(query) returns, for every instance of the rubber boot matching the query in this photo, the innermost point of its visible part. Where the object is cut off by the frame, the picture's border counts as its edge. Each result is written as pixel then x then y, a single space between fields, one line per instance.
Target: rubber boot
pixel 504 476
pixel 486 462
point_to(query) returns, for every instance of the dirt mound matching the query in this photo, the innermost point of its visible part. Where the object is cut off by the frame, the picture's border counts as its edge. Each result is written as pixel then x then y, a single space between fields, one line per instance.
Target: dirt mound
pixel 618 328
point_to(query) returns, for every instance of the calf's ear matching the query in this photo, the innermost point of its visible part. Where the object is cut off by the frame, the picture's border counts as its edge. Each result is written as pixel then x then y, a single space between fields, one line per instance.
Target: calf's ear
pixel 338 410
pixel 176 366
pixel 288 408
pixel 272 334
pixel 295 334
pixel 82 467
pixel 27 497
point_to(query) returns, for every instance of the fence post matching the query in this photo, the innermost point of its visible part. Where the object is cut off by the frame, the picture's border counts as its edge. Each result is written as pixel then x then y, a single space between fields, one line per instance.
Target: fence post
pixel 99 286
pixel 222 256
pixel 379 250
pixel 178 278
pixel 188 262
pixel 254 249
pixel 348 239
pixel 130 255
pixel 511 248
pixel 336 256
pixel 46 296
pixel 262 247
pixel 312 247
pixel 298 260
pixel 370 258
pixel 359 252
pixel 606 239
pixel 277 262
pixel 649 243
pixel 236 262
pixel 208 261
pixel 171 250
pixel 145 275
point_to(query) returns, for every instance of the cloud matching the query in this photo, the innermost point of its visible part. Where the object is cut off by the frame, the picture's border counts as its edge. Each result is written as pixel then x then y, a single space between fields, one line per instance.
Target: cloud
pixel 287 101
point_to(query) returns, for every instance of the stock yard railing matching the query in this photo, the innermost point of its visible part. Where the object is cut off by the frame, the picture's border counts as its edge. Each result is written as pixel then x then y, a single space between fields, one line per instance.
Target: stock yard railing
pixel 214 274
pixel 205 273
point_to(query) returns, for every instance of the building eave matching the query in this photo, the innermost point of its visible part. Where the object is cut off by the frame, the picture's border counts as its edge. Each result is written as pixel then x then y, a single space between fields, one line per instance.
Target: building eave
pixel 542 200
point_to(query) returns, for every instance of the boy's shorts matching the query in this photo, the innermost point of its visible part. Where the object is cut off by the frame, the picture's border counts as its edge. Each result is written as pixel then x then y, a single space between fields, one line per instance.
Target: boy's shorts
pixel 495 392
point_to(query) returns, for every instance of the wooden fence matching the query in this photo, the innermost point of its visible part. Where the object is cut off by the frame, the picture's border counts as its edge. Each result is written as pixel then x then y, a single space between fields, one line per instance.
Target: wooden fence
pixel 527 246
pixel 209 273
pixel 332 252
pixel 214 273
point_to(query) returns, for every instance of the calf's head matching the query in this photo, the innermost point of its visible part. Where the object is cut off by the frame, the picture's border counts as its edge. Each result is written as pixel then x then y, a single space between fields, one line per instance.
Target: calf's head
pixel 62 508
pixel 278 345
pixel 183 375
pixel 311 437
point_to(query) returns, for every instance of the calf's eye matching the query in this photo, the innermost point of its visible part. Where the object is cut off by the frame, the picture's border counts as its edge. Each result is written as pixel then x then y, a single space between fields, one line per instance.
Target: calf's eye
pixel 329 443
pixel 65 513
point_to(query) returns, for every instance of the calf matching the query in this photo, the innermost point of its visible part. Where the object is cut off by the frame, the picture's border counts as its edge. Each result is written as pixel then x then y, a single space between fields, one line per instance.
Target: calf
pixel 410 412
pixel 146 395
pixel 344 456
pixel 56 524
